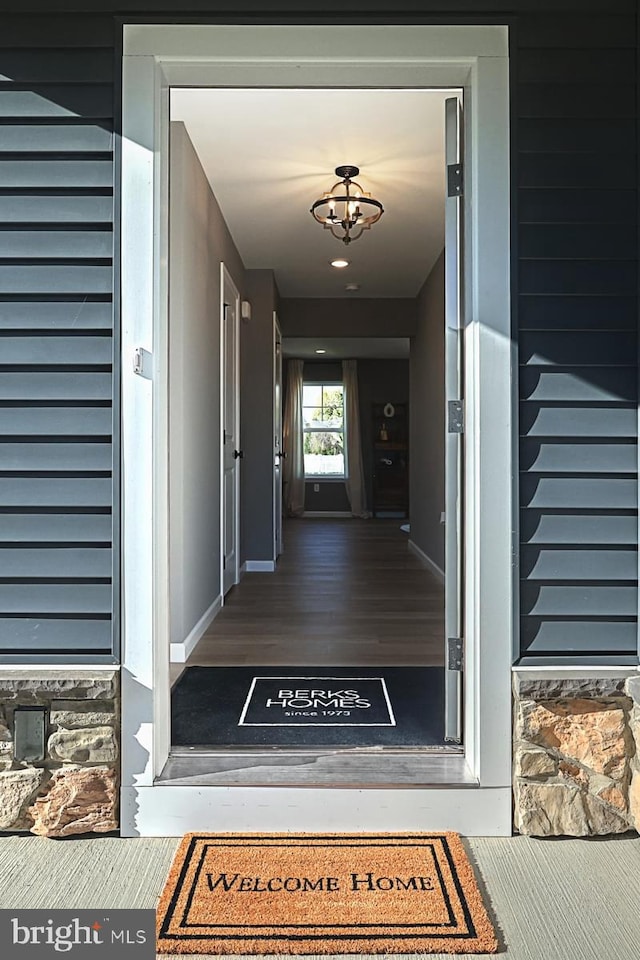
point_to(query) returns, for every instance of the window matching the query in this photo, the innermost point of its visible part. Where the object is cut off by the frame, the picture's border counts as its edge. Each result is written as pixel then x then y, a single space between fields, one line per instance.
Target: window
pixel 323 416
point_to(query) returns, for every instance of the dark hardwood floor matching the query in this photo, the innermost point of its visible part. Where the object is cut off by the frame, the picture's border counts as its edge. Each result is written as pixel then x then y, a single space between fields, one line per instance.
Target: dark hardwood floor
pixel 344 593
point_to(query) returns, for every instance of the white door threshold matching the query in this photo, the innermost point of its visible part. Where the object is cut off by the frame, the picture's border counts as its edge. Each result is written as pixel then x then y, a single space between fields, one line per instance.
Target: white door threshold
pixel 361 768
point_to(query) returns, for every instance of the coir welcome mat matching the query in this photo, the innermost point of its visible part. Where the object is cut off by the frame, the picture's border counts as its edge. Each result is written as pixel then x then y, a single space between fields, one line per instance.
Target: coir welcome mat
pixel 314 706
pixel 311 893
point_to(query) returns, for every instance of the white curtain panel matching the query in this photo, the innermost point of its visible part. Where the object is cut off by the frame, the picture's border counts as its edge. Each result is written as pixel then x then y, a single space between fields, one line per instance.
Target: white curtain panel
pixel 354 481
pixel 292 441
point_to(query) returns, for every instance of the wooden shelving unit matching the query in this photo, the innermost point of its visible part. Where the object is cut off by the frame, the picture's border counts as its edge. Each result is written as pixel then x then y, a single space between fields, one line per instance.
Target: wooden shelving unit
pixel 390 459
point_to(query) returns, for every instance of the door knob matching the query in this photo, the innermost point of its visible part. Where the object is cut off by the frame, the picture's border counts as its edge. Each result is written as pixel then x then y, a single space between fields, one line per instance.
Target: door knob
pixel 238 454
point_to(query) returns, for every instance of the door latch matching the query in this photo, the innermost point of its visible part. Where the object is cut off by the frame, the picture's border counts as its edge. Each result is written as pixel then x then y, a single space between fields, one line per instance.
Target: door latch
pixel 143 363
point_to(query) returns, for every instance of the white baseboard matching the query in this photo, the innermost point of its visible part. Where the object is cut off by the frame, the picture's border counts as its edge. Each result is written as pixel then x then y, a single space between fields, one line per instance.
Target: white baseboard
pixel 327 514
pixel 180 652
pixel 258 566
pixel 428 562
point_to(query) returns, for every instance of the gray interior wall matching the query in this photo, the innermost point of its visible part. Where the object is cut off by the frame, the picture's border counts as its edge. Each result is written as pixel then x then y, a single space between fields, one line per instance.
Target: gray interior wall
pixel 257 430
pixel 199 240
pixel 330 497
pixel 344 317
pixel 426 427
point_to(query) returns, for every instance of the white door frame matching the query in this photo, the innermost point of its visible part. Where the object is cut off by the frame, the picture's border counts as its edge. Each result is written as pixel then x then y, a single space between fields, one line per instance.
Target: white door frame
pixel 475 58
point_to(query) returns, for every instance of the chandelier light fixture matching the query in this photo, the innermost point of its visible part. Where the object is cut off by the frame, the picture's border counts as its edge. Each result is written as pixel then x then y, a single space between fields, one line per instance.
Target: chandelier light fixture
pixel 347 210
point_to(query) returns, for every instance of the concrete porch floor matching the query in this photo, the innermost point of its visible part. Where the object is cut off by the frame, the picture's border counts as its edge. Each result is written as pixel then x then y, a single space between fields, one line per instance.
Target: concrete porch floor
pixel 550 899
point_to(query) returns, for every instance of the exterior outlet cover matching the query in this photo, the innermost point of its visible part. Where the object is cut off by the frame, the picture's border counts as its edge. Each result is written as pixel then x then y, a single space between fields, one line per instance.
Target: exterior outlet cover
pixel 29 725
pixel 245 310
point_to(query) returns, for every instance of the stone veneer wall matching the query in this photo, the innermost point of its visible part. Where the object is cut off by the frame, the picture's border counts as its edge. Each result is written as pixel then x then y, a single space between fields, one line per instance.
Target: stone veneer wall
pixel 74 790
pixel 576 755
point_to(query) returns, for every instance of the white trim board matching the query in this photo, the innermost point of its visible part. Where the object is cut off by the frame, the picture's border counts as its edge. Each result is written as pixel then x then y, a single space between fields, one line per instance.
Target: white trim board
pixel 48 670
pixel 428 562
pixel 190 44
pixel 258 566
pixel 472 58
pixel 180 809
pixel 181 651
pixel 572 672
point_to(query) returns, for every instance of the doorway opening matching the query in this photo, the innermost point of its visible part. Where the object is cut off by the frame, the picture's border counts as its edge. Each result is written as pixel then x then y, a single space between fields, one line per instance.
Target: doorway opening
pixel 328 630
pixel 156 58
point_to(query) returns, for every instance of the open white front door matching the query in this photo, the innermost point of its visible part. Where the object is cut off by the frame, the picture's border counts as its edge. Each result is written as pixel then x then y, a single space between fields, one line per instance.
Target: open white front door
pixel 231 454
pixel 455 423
pixel 278 453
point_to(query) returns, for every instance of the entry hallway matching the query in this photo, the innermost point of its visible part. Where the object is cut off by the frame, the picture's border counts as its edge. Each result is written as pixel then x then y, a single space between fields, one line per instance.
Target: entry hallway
pixel 550 899
pixel 344 593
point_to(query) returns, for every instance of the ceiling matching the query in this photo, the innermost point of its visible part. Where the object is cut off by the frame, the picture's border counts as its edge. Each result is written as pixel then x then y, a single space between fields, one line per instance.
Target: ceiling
pixel 268 154
pixel 342 348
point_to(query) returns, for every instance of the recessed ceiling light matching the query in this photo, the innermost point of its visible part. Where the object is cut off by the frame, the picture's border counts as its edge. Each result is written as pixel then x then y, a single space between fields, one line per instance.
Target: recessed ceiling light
pixel 352 286
pixel 321 351
pixel 340 263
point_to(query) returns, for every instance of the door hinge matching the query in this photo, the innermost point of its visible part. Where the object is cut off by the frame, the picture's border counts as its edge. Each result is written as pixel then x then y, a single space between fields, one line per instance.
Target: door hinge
pixel 455 187
pixel 224 563
pixel 454 653
pixel 456 416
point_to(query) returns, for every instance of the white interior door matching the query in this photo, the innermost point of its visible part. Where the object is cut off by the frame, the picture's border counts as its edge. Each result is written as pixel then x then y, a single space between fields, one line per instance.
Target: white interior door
pixel 230 452
pixel 455 422
pixel 277 434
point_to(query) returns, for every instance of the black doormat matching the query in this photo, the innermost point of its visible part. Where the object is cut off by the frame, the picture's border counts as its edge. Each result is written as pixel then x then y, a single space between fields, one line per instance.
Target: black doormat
pixel 309 706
